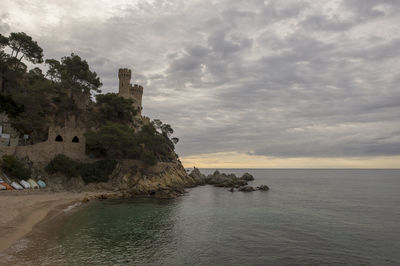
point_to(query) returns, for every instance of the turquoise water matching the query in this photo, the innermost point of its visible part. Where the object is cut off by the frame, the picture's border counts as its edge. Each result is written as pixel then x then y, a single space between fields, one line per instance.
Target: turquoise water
pixel 309 217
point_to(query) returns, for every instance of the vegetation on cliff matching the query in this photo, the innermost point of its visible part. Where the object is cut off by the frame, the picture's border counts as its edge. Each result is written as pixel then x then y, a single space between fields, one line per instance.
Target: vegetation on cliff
pixel 118 141
pixel 34 101
pixel 90 172
pixel 15 167
pixel 114 108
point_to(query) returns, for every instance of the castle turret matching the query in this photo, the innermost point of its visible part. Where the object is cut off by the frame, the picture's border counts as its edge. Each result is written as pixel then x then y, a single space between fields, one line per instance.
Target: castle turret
pixel 128 91
pixel 124 76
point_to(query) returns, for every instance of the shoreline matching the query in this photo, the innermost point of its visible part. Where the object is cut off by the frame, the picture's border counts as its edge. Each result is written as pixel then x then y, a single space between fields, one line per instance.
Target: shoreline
pixel 21 211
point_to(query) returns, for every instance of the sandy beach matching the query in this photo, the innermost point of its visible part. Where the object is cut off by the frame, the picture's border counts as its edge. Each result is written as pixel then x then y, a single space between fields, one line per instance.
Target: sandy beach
pixel 20 211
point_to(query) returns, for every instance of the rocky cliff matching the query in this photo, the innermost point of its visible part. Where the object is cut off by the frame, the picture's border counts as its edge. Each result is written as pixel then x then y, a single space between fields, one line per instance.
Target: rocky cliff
pixel 164 180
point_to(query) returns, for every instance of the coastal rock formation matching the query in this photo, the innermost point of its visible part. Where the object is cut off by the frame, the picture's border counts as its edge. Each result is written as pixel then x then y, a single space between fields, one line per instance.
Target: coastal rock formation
pixel 132 178
pixel 164 180
pixel 230 181
pixel 263 187
pixel 198 176
pixel 247 189
pixel 225 180
pixel 247 177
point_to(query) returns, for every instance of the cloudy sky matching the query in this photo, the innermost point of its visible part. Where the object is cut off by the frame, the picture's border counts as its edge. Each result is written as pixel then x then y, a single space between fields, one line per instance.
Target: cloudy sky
pixel 243 83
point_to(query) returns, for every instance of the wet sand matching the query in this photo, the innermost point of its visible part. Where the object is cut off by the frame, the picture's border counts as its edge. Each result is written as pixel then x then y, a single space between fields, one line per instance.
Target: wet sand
pixel 20 211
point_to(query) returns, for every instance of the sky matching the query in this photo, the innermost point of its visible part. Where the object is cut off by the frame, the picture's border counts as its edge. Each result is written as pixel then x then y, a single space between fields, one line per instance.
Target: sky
pixel 280 84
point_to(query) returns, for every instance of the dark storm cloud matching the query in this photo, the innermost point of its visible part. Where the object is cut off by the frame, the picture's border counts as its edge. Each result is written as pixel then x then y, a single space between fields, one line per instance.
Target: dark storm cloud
pixel 274 78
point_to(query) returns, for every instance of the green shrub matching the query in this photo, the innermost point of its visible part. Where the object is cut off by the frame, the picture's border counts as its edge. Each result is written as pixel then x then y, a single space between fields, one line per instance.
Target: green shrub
pixel 90 172
pixel 63 164
pixel 118 141
pixel 98 171
pixel 149 157
pixel 15 167
pixel 115 108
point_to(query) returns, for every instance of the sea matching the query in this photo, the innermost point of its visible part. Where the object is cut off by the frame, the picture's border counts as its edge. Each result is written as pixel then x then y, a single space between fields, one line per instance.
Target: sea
pixel 308 217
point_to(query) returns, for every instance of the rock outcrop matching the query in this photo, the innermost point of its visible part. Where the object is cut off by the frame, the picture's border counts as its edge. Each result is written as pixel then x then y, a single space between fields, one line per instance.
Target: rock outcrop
pixel 199 178
pixel 246 189
pixel 230 181
pixel 164 180
pixel 247 177
pixel 263 187
pixel 225 180
pixel 132 178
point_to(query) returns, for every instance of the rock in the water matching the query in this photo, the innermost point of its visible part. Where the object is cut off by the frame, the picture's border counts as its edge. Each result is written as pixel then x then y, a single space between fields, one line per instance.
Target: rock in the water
pixel 263 187
pixel 223 180
pixel 197 176
pixel 247 177
pixel 230 181
pixel 246 189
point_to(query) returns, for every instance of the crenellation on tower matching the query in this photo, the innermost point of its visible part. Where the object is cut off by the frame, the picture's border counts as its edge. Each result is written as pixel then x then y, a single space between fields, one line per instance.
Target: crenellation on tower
pixel 128 91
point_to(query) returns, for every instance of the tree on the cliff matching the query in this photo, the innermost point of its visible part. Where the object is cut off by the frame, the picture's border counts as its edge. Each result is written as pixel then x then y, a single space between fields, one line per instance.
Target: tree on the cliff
pixel 3 41
pixel 23 46
pixel 9 106
pixel 118 141
pixel 74 74
pixel 3 55
pixel 112 140
pixel 12 68
pixel 165 130
pixel 115 108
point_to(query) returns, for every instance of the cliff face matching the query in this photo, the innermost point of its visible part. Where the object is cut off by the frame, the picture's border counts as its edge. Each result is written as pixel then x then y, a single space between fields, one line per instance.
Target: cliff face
pixel 164 180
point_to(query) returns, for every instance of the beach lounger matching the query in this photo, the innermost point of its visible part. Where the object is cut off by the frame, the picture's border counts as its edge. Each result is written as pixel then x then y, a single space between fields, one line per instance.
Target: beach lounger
pixel 16 186
pixel 41 184
pixel 6 178
pixel 25 184
pixel 7 186
pixel 33 183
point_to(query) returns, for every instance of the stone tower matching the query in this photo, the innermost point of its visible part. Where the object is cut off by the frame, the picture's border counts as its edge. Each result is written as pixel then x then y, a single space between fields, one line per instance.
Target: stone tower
pixel 128 91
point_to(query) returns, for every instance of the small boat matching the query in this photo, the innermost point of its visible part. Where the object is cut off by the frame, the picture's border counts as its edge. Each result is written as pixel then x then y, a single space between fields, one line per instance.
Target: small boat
pixel 7 186
pixel 16 186
pixel 25 184
pixel 4 184
pixel 33 183
pixel 6 178
pixel 2 187
pixel 41 184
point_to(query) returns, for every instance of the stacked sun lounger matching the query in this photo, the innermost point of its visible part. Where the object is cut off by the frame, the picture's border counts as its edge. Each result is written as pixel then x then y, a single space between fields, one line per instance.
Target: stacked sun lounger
pixel 16 186
pixel 4 185
pixel 8 184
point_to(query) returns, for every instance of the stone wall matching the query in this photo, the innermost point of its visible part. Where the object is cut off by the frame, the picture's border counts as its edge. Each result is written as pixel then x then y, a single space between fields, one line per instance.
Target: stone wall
pixel 68 140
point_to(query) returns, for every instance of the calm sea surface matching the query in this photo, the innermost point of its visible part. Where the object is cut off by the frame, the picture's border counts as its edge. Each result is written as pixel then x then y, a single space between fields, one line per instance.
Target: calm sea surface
pixel 309 217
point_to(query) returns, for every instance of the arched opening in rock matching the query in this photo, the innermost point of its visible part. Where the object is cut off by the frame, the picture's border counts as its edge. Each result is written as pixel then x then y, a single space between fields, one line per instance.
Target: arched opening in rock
pixel 75 139
pixel 59 138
